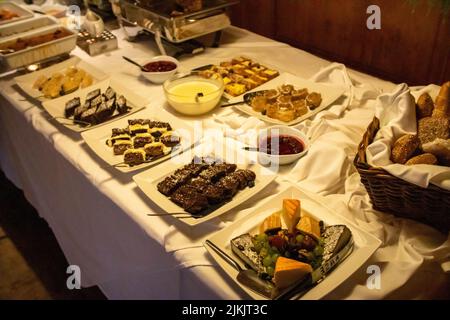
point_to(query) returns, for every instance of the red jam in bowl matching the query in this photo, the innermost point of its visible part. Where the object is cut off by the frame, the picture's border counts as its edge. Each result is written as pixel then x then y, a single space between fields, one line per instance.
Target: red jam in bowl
pixel 160 66
pixel 281 145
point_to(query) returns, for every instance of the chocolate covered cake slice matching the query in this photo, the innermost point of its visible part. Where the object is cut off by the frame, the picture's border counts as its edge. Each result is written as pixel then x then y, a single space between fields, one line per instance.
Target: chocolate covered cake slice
pixel 110 93
pixel 121 146
pixel 70 107
pixel 154 149
pixel 134 157
pixel 169 139
pixel 89 116
pixel 142 139
pixel 121 104
pixel 93 94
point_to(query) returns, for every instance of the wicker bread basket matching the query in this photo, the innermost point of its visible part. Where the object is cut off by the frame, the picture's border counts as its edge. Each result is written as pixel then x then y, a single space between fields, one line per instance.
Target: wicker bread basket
pixel 393 195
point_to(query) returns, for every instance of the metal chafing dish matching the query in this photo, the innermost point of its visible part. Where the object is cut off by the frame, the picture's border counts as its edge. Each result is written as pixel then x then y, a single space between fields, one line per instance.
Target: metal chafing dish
pixel 156 16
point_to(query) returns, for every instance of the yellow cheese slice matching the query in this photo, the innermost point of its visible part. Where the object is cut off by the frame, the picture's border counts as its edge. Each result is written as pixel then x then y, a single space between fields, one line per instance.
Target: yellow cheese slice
pixel 309 226
pixel 288 272
pixel 272 222
pixel 291 213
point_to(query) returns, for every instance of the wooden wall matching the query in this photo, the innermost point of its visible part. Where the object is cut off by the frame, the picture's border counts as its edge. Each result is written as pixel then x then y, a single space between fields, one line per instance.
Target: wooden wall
pixel 413 45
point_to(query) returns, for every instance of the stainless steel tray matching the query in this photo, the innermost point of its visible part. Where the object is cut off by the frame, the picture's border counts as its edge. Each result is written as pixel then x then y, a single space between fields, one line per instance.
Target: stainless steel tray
pixel 40 52
pixel 155 16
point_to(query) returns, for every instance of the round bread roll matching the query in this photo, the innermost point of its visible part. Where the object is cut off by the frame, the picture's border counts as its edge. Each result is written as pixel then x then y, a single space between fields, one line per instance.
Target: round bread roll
pixel 424 106
pixel 441 149
pixel 404 148
pixel 431 128
pixel 425 158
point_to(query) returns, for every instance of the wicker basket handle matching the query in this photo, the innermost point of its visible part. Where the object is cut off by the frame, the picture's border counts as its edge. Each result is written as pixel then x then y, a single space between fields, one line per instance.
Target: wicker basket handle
pixel 368 137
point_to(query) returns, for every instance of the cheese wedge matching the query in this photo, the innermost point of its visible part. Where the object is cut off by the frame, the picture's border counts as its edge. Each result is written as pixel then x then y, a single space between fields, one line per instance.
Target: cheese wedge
pixel 288 271
pixel 271 224
pixel 309 226
pixel 291 213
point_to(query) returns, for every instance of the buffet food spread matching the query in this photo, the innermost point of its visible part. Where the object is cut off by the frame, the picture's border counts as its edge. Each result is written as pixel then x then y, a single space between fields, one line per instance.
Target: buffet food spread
pixel 286 249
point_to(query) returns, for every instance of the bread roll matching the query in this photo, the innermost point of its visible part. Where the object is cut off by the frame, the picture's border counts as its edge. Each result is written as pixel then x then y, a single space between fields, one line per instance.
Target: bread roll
pixel 431 128
pixel 442 102
pixel 404 148
pixel 425 158
pixel 441 149
pixel 424 106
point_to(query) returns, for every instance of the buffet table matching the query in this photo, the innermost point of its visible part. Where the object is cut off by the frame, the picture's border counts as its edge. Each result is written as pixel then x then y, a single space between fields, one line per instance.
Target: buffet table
pixel 99 216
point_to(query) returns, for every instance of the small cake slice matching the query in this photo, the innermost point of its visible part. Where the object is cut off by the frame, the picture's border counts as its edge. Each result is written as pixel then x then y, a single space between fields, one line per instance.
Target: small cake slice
pixel 121 146
pixel 121 104
pixel 154 149
pixel 93 94
pixel 116 138
pixel 89 116
pixel 138 128
pixel 104 112
pixel 291 213
pixel 288 272
pixel 169 139
pixel 134 157
pixel 70 107
pixel 142 139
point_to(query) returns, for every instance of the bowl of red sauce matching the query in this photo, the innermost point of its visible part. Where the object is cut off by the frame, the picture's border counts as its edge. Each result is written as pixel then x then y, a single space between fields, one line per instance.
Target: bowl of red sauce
pixel 160 68
pixel 281 145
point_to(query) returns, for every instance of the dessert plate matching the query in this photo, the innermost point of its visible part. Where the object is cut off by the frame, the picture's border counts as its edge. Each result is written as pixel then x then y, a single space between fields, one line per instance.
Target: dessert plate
pixel 56 106
pixel 230 152
pixel 365 244
pixel 96 138
pixel 27 81
pixel 330 93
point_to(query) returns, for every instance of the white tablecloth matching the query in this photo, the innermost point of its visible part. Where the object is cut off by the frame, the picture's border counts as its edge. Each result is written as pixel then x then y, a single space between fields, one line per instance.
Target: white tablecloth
pixel 99 215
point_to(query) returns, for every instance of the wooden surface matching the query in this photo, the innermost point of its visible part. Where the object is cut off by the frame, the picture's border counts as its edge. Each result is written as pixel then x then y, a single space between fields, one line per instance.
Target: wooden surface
pixel 413 45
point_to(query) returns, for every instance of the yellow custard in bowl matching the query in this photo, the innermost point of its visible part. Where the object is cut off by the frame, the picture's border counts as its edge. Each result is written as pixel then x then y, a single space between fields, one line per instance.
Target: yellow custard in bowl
pixel 193 94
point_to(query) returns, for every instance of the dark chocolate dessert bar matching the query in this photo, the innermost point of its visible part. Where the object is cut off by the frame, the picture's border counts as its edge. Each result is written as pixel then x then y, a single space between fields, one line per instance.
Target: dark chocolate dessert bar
pixel 71 105
pixel 204 184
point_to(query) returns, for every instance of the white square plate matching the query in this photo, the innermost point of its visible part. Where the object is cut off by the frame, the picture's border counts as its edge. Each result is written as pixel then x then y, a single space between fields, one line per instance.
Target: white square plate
pixel 56 106
pixel 96 138
pixel 365 244
pixel 26 82
pixel 148 180
pixel 330 93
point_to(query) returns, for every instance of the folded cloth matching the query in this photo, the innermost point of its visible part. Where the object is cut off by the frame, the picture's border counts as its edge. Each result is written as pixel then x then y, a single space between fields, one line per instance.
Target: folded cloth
pixel 397 115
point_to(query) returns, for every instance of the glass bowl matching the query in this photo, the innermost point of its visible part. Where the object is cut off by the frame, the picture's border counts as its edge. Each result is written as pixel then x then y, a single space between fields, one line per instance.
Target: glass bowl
pixel 194 93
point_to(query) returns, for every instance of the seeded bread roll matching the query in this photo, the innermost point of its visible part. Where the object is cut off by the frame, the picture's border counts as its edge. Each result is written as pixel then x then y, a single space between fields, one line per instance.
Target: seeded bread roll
pixel 441 149
pixel 442 102
pixel 424 106
pixel 431 128
pixel 425 158
pixel 404 148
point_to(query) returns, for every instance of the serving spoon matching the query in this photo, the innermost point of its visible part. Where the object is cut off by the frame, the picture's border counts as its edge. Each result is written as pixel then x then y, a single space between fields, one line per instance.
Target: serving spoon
pixel 135 63
pixel 248 97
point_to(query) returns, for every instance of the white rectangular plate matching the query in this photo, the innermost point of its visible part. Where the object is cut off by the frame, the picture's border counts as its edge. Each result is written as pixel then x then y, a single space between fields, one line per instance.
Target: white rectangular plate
pixel 56 106
pixel 96 138
pixel 229 97
pixel 148 180
pixel 365 244
pixel 22 12
pixel 330 93
pixel 26 82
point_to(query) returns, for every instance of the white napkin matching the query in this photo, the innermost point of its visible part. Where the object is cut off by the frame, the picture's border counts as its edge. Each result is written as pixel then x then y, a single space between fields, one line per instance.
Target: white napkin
pixel 397 115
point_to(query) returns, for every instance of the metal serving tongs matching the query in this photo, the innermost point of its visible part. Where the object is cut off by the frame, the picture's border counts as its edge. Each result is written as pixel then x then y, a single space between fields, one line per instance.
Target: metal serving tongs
pixel 247 277
pixel 178 215
pixel 74 122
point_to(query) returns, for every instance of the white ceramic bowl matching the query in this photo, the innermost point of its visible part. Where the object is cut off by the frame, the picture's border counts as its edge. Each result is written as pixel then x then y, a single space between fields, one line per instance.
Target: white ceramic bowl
pixel 160 77
pixel 271 159
pixel 185 102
